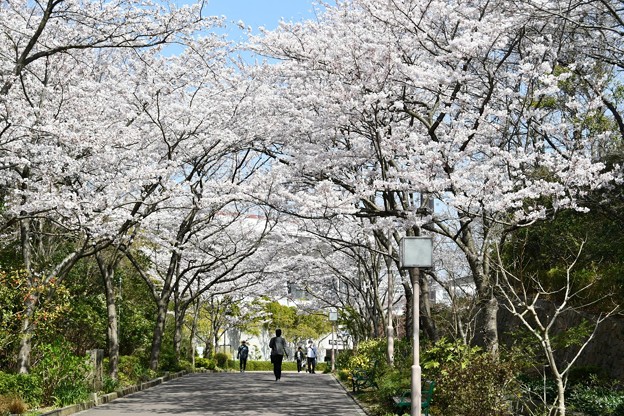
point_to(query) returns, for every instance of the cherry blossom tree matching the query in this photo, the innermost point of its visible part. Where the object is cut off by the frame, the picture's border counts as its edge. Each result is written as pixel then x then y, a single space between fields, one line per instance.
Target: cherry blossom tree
pixel 61 135
pixel 343 266
pixel 194 110
pixel 593 34
pixel 65 185
pixel 105 142
pixel 401 101
pixel 217 255
pixel 330 273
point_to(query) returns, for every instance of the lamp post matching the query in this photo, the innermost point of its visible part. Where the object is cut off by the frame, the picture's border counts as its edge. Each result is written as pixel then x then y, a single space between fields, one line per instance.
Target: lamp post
pixel 333 317
pixel 390 328
pixel 416 252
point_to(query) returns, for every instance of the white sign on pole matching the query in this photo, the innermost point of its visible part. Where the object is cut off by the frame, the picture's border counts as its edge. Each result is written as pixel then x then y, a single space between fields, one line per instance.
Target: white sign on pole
pixel 416 252
pixel 333 316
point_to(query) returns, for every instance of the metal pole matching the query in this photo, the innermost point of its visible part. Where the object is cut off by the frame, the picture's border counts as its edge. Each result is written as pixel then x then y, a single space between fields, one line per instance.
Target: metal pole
pixel 333 317
pixel 390 328
pixel 333 358
pixel 416 375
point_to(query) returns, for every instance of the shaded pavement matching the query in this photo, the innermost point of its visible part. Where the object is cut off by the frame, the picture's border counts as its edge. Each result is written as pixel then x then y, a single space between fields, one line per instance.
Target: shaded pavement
pixel 251 393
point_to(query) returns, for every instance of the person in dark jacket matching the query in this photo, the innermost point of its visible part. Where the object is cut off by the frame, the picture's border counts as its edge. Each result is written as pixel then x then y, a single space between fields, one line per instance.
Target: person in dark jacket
pixel 299 356
pixel 243 353
pixel 278 350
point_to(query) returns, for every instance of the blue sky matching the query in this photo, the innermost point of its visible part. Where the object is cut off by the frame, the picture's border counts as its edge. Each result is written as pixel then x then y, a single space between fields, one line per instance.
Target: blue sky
pixel 256 13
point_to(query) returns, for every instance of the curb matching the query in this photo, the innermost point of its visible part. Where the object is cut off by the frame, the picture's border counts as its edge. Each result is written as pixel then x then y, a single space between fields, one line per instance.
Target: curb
pixel 107 398
pixel 348 393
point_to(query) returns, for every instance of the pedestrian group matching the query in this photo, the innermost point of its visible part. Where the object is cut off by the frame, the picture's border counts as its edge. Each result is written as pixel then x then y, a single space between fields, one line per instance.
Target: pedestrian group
pixel 279 349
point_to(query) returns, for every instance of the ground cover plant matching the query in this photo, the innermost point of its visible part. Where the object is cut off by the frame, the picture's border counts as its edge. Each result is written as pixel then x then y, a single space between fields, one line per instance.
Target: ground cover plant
pixel 469 381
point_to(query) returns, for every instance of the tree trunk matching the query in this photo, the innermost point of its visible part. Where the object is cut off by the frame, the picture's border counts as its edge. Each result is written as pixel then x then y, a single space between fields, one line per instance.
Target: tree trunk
pixel 487 325
pixel 23 357
pixel 216 341
pixel 193 332
pixel 561 408
pixel 107 271
pixel 159 332
pixel 427 324
pixel 177 335
pixel 177 339
pixel 112 332
pixel 26 334
pixel 426 321
pixel 409 315
pixel 209 351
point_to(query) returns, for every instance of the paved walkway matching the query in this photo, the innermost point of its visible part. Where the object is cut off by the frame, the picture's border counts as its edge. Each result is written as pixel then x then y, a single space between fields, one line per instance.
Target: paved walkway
pixel 251 393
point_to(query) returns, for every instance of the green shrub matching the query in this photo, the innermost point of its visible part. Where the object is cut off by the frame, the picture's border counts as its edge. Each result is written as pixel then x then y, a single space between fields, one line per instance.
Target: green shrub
pixel 343 359
pixel 320 367
pixel 435 358
pixel 70 392
pixel 63 375
pixel 222 360
pixel 110 385
pixel 343 375
pixel 185 365
pixel 370 355
pixel 394 381
pixel 535 389
pixel 597 400
pixel 206 363
pixel 468 381
pixel 586 375
pixel 254 365
pixel 481 385
pixel 259 366
pixel 169 362
pixel 131 371
pixel 26 386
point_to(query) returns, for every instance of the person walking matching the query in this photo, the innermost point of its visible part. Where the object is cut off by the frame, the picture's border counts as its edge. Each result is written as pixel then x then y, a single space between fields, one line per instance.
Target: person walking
pixel 243 353
pixel 299 356
pixel 278 350
pixel 312 354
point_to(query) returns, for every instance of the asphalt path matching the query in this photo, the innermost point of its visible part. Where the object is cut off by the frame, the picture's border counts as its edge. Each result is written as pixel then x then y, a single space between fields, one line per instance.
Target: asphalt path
pixel 250 393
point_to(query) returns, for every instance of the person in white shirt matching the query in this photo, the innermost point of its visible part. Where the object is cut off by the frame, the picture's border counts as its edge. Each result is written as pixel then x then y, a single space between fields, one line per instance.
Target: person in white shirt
pixel 312 355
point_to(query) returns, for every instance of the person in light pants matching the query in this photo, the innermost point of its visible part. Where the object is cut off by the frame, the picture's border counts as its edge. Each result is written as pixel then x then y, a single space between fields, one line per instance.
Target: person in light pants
pixel 312 355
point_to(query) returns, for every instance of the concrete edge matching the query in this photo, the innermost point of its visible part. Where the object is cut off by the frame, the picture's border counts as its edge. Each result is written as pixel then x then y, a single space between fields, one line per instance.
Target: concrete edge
pixel 107 398
pixel 350 395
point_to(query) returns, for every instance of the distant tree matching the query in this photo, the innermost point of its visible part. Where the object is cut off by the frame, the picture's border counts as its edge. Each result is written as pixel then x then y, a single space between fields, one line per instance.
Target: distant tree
pixel 297 325
pixel 341 265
